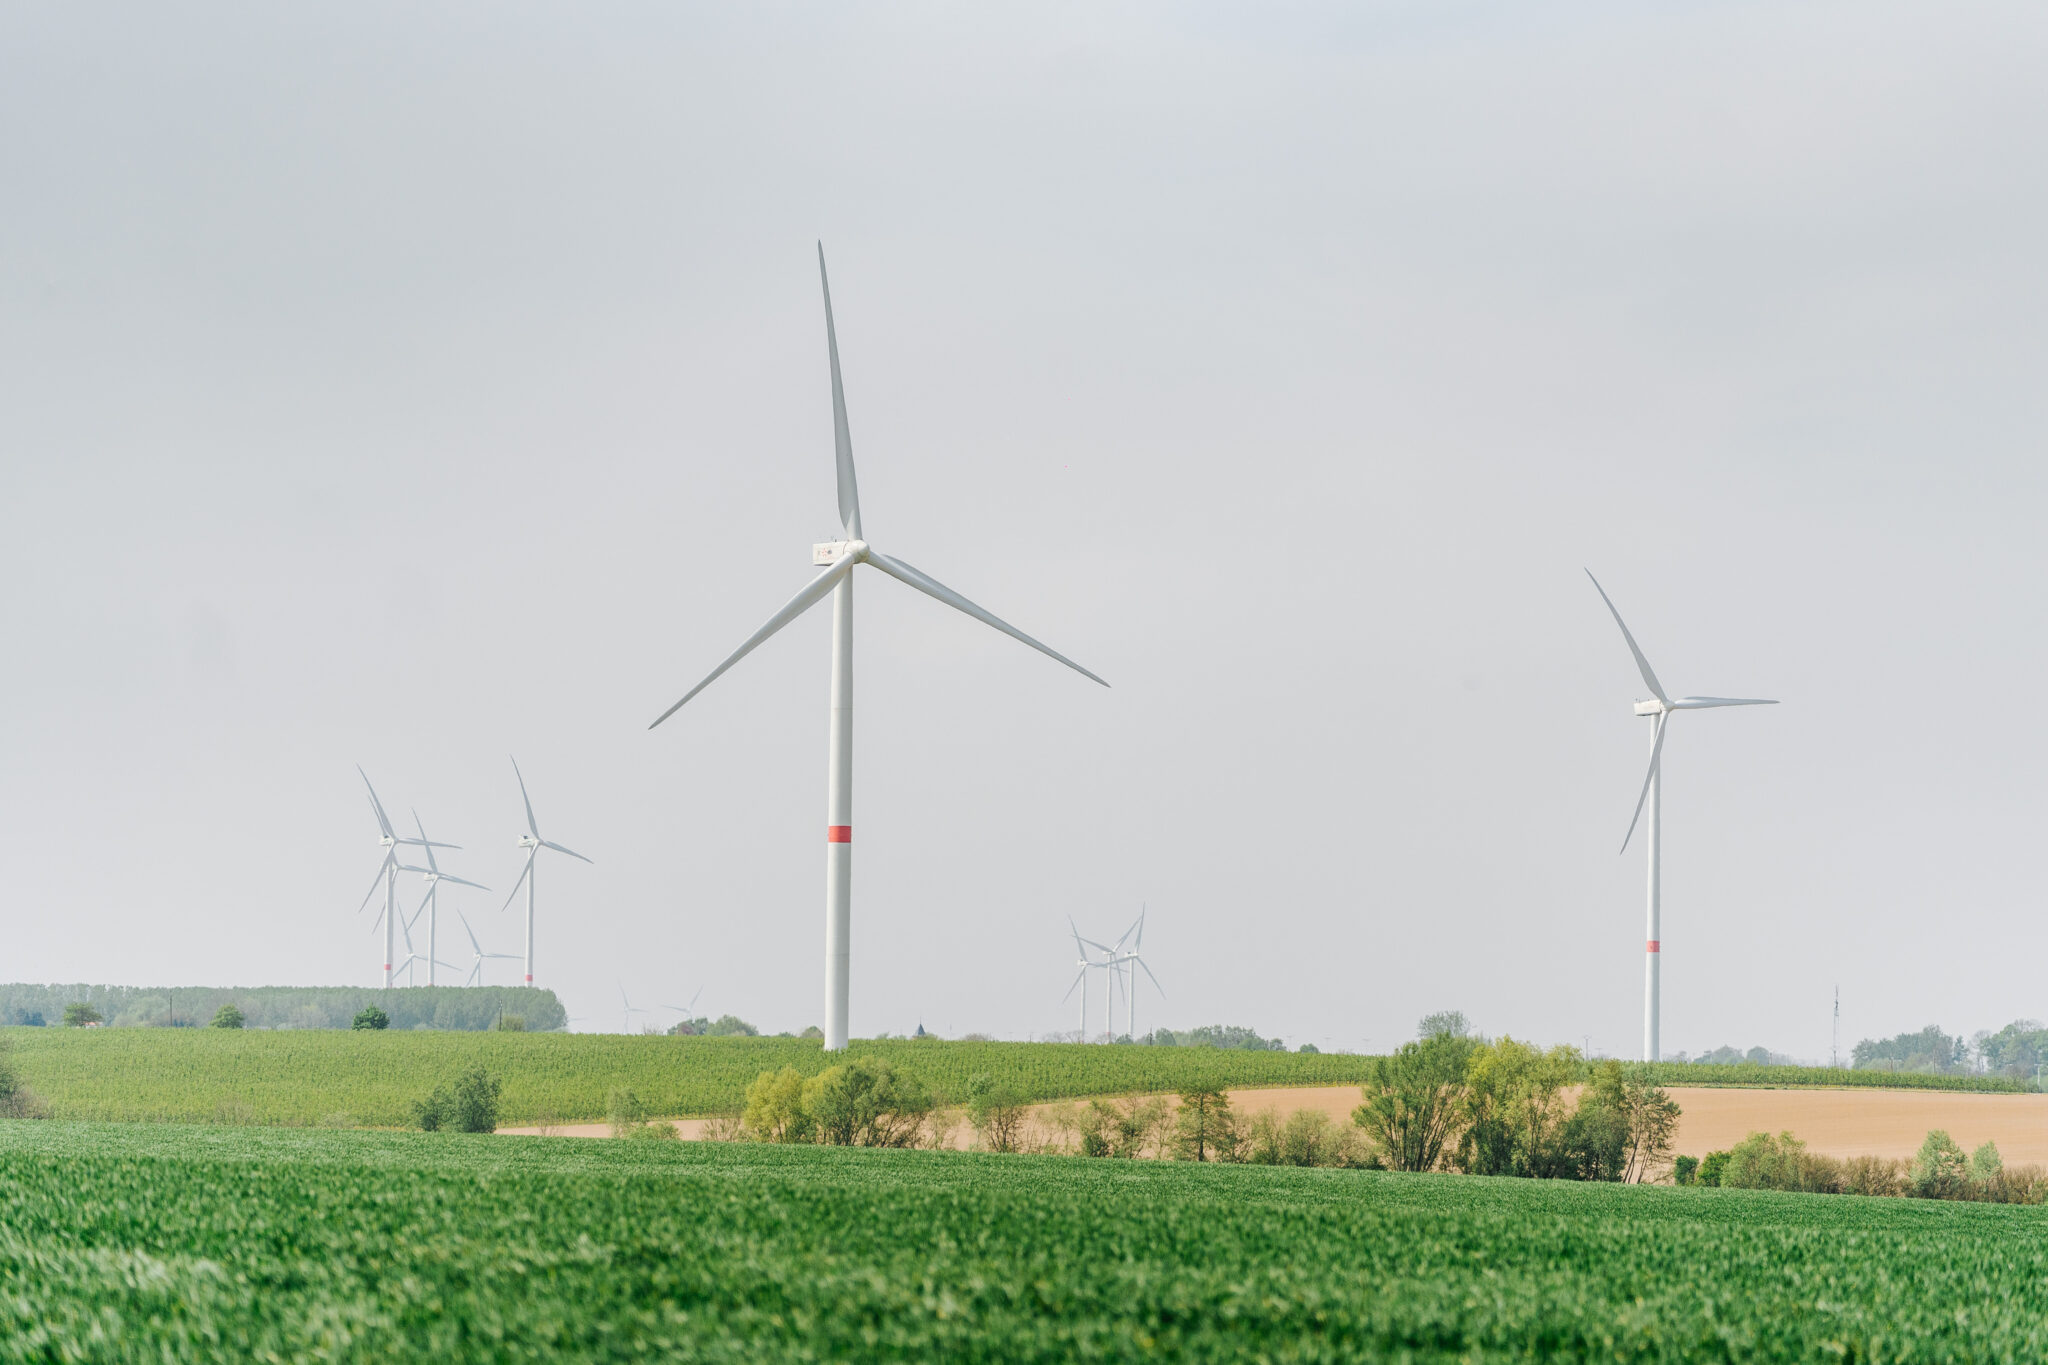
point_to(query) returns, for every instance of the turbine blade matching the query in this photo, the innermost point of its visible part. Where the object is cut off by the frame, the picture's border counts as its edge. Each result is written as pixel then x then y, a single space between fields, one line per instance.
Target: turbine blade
pixel 471 932
pixel 459 881
pixel 383 820
pixel 570 851
pixel 524 872
pixel 531 827
pixel 389 856
pixel 1656 754
pixel 1070 990
pixel 1148 971
pixel 423 840
pixel 1656 688
pixel 931 587
pixel 842 438
pixel 1703 703
pixel 795 607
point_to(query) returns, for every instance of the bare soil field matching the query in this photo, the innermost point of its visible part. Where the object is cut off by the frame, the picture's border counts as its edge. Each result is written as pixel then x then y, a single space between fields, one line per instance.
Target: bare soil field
pixel 1886 1123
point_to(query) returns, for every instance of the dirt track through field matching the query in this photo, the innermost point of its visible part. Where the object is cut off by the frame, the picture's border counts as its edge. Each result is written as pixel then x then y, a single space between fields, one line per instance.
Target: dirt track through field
pixel 1888 1123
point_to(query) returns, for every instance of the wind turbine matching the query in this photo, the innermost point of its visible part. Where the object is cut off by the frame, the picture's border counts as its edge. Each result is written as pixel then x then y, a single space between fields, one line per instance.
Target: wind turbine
pixel 387 873
pixel 1130 963
pixel 1662 706
pixel 838 559
pixel 431 902
pixel 476 964
pixel 533 844
pixel 1088 964
pixel 631 1008
pixel 688 1011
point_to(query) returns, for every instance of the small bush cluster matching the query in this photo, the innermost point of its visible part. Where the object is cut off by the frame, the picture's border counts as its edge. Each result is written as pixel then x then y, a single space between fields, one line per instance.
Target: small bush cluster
pixel 468 1105
pixel 866 1102
pixel 1941 1170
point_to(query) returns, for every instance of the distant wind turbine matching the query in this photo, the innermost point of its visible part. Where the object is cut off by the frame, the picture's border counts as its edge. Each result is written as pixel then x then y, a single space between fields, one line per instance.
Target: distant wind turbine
pixel 838 559
pixel 431 902
pixel 1106 963
pixel 1130 964
pixel 631 1008
pixel 533 844
pixel 1662 706
pixel 476 964
pixel 387 873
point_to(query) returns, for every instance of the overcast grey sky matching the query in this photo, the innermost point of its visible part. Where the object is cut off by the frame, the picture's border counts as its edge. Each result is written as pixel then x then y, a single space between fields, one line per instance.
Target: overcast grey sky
pixel 410 386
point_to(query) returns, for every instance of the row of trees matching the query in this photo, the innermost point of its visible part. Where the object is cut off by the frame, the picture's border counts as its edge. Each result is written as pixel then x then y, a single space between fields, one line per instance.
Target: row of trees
pixel 281 1007
pixel 1940 1170
pixel 2019 1050
pixel 1447 1101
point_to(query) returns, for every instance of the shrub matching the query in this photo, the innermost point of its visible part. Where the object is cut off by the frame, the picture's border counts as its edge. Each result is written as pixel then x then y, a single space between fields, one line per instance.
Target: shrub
pixel 227 1016
pixel 370 1017
pixel 628 1116
pixel 1122 1128
pixel 1763 1162
pixel 1940 1171
pixel 1308 1137
pixel 1712 1166
pixel 1515 1110
pixel 1310 1048
pixel 1874 1175
pixel 510 1023
pixel 866 1103
pixel 17 1101
pixel 1204 1129
pixel 996 1112
pixel 1684 1169
pixel 469 1105
pixel 774 1109
pixel 78 1014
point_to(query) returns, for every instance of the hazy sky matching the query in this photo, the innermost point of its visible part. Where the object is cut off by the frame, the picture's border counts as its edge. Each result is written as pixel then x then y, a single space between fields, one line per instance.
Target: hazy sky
pixel 410 386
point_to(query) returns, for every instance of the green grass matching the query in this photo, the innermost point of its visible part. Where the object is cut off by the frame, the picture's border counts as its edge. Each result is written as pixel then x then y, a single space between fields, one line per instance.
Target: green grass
pixel 135 1243
pixel 306 1076
pixel 309 1076
pixel 1750 1076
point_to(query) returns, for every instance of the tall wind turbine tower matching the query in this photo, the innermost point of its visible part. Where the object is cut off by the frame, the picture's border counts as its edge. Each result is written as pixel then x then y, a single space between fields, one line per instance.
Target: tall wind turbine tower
pixel 387 873
pixel 837 560
pixel 533 844
pixel 1661 706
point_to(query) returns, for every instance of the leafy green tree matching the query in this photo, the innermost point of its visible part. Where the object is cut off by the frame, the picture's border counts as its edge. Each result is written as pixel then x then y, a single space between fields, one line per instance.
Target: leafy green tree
pixel 1712 1166
pixel 1124 1128
pixel 1940 1170
pixel 1414 1101
pixel 475 1097
pixel 1985 1164
pixel 1515 1109
pixel 996 1111
pixel 1684 1170
pixel 867 1102
pixel 1928 1050
pixel 370 1017
pixel 227 1016
pixel 1204 1129
pixel 774 1109
pixel 78 1014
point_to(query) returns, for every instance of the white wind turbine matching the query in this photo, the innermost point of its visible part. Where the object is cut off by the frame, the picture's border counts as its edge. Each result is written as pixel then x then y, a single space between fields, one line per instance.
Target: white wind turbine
pixel 1087 964
pixel 688 1011
pixel 387 873
pixel 533 844
pixel 1662 706
pixel 476 964
pixel 1129 964
pixel 838 559
pixel 631 1008
pixel 431 902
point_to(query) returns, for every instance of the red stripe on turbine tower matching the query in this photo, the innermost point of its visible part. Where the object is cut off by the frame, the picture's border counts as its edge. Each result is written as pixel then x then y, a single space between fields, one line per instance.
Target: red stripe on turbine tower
pixel 1650 946
pixel 839 834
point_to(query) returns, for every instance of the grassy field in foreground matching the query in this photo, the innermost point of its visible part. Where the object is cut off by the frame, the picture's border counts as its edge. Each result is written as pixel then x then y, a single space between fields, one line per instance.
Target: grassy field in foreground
pixel 128 1243
pixel 313 1076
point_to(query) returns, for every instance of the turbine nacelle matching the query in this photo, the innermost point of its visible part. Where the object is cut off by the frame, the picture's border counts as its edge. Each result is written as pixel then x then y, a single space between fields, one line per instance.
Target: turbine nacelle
pixel 824 556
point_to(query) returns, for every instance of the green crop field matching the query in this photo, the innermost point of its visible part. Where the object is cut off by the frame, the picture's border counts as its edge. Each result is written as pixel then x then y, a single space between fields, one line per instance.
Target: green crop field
pixel 163 1243
pixel 370 1078
pixel 313 1076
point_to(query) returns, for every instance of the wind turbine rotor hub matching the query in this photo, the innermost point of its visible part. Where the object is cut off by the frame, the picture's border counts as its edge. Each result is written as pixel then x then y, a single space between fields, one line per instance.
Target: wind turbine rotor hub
pixel 1650 707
